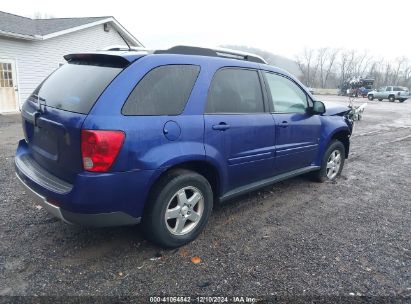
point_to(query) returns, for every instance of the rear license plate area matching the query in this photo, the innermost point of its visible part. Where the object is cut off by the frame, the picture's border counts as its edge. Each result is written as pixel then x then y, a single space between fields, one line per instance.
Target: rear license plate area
pixel 45 142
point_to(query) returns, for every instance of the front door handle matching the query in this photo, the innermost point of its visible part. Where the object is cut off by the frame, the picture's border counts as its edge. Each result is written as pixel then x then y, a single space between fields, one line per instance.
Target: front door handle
pixel 222 126
pixel 283 124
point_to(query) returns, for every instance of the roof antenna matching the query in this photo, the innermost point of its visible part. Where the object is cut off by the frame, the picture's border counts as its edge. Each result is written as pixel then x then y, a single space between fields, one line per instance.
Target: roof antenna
pixel 129 47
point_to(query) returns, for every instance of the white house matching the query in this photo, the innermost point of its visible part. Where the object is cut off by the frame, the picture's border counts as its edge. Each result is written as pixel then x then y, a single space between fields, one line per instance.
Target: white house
pixel 30 49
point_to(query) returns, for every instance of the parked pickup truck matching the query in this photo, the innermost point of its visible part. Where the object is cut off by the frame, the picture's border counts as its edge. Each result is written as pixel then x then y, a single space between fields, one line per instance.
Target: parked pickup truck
pixel 391 93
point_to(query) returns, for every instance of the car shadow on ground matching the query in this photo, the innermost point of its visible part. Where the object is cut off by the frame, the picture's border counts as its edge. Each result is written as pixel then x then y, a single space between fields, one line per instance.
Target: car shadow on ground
pixel 91 242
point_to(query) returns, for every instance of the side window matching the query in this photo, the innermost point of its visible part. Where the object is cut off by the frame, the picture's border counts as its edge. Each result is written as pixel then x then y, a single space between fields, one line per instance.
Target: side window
pixel 287 97
pixel 235 91
pixel 162 91
pixel 389 89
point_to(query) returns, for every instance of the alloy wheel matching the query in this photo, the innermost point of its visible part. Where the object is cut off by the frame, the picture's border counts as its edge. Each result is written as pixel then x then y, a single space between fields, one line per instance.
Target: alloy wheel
pixel 333 164
pixel 184 211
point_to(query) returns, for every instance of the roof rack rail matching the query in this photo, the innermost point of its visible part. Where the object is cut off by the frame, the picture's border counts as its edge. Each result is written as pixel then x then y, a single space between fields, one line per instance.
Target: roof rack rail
pixel 217 52
pixel 125 48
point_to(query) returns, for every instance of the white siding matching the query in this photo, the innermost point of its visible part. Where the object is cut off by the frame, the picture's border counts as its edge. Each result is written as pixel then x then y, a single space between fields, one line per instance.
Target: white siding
pixel 35 60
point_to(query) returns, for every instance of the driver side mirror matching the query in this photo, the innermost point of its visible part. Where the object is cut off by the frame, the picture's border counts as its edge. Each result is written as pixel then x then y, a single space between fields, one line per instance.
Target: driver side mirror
pixel 319 107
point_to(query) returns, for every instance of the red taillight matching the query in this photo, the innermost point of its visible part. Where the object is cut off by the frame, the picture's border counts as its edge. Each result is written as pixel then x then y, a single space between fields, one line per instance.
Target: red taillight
pixel 100 148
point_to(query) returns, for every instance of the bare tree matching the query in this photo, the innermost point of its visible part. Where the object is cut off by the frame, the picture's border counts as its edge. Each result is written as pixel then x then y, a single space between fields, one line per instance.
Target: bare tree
pixel 318 65
pixel 322 56
pixel 396 72
pixel 332 55
pixel 304 62
pixel 407 75
pixel 344 64
pixel 360 63
pixel 369 61
pixel 387 74
pixel 352 63
pixel 375 72
pixel 325 59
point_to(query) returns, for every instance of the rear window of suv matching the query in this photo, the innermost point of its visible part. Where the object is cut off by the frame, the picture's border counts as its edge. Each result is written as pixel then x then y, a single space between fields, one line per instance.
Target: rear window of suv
pixel 75 86
pixel 162 91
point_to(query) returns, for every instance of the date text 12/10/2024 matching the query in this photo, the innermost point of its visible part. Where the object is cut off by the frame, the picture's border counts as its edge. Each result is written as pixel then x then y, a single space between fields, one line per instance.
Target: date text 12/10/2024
pixel 203 299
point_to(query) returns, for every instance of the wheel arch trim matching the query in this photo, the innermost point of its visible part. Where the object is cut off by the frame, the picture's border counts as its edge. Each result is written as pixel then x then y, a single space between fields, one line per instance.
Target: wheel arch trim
pixel 198 165
pixel 342 134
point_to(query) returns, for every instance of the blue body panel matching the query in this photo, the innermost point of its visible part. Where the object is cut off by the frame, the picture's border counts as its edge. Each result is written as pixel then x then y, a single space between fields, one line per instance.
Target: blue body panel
pixel 244 153
pixel 297 142
pixel 62 139
pixel 255 147
pixel 94 193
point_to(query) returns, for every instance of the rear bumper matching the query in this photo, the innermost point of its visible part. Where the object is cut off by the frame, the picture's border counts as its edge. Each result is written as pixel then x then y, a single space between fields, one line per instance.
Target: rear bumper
pixel 98 220
pixel 92 199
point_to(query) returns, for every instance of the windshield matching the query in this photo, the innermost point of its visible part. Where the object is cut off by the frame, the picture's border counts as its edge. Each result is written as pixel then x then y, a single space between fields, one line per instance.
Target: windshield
pixel 75 86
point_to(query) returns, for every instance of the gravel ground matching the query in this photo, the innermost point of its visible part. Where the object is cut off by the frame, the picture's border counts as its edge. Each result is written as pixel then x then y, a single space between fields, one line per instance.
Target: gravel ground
pixel 349 237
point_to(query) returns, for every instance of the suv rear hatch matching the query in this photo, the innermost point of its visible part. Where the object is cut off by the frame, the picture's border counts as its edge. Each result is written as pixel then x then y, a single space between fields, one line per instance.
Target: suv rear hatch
pixel 403 92
pixel 53 115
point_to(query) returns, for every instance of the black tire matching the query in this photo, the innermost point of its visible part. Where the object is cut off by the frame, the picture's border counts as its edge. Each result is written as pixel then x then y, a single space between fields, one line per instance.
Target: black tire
pixel 391 98
pixel 402 100
pixel 371 97
pixel 379 99
pixel 321 175
pixel 155 226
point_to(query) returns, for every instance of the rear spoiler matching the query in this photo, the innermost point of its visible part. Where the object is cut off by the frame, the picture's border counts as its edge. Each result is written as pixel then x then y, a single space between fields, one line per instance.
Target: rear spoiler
pixel 98 59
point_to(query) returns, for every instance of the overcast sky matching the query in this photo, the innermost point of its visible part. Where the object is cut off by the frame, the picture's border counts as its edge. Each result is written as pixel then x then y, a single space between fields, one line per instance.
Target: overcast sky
pixel 281 27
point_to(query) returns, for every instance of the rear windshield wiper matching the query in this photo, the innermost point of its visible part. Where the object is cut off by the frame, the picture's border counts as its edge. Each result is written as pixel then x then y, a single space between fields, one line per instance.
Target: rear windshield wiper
pixel 36 96
pixel 39 99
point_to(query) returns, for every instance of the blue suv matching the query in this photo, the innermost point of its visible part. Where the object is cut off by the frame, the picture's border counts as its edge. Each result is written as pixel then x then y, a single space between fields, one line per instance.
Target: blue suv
pixel 119 137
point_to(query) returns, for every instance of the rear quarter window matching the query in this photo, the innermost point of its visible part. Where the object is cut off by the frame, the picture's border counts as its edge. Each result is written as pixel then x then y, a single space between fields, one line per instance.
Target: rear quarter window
pixel 162 91
pixel 75 86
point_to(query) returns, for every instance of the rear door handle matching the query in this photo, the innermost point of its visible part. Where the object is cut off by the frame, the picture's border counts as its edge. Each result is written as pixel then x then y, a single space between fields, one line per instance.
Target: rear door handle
pixel 222 126
pixel 283 124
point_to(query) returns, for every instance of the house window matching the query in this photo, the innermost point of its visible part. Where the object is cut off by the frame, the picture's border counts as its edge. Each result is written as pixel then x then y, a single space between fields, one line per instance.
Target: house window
pixel 6 77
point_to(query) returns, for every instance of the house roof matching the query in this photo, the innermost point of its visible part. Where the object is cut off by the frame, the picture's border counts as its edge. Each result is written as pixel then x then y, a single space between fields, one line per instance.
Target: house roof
pixel 40 29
